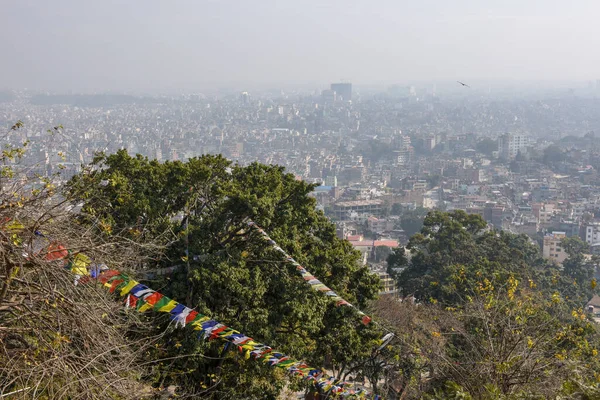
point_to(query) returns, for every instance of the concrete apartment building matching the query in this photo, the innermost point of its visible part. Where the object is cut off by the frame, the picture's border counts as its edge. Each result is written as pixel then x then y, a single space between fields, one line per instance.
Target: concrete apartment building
pixel 592 233
pixel 510 144
pixel 553 249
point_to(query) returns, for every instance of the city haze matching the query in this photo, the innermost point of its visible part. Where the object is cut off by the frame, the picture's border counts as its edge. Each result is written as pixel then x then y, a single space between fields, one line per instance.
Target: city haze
pixel 187 45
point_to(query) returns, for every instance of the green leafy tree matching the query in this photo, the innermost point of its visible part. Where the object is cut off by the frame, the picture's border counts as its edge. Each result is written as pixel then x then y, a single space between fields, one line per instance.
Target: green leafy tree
pixel 396 261
pixel 575 265
pixel 577 277
pixel 456 241
pixel 490 334
pixel 412 221
pixel 487 146
pixel 382 253
pixel 228 271
pixel 494 320
pixel 553 154
pixel 396 209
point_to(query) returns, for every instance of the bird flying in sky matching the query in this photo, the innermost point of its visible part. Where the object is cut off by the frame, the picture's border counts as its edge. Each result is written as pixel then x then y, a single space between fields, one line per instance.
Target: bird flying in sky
pixel 464 84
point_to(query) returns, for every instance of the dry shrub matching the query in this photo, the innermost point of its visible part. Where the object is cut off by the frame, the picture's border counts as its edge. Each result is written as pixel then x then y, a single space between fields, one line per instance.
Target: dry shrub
pixel 58 339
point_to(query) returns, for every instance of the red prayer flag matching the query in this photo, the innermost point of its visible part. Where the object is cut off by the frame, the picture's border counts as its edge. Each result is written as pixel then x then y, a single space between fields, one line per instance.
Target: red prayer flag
pixel 56 252
pixel 106 275
pixel 153 298
pixel 191 316
pixel 114 285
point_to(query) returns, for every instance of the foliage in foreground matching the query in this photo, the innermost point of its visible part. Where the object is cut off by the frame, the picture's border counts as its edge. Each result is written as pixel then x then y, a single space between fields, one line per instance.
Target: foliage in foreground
pixel 230 273
pixel 58 339
pixel 493 320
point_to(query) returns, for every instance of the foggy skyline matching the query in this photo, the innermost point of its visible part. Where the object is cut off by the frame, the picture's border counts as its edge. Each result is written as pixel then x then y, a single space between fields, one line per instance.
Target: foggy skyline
pixel 195 45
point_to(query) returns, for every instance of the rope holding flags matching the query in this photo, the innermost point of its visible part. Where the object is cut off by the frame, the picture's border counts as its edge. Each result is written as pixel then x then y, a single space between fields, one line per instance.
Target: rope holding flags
pixel 142 298
pixel 307 276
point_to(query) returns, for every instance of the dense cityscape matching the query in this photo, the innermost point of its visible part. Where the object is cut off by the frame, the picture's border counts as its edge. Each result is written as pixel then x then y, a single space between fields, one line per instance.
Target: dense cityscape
pixel 379 161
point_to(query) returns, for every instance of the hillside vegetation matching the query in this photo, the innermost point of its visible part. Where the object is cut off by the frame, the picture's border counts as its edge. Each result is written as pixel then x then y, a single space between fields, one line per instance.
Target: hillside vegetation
pixel 483 315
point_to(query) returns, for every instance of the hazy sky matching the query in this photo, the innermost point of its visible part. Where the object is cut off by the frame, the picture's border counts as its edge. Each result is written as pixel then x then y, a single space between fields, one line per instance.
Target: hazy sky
pixel 194 44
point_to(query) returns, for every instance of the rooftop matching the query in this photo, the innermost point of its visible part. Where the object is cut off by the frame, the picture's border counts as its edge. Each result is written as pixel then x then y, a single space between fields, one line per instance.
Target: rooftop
pixel 356 203
pixel 376 243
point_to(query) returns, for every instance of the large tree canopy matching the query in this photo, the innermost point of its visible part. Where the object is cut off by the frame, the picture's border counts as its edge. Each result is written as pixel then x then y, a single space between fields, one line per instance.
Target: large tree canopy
pixel 412 221
pixel 494 319
pixel 553 154
pixel 200 207
pixel 456 241
pixel 487 146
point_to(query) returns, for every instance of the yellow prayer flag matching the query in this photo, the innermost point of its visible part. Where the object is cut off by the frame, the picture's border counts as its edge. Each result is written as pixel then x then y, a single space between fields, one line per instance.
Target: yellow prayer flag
pixel 145 307
pixel 80 263
pixel 128 287
pixel 14 226
pixel 81 260
pixel 249 345
pixel 198 323
pixel 169 306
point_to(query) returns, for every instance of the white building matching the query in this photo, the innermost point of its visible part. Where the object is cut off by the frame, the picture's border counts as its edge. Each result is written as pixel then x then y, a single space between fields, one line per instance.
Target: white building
pixel 592 233
pixel 331 180
pixel 404 156
pixel 510 144
pixel 379 224
pixel 553 249
pixel 388 283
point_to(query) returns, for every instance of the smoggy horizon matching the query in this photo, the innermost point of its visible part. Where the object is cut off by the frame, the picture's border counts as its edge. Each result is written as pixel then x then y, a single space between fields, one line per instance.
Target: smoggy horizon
pixel 152 46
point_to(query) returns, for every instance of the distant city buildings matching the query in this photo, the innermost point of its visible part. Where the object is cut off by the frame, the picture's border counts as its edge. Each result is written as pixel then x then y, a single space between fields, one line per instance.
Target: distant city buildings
pixel 375 158
pixel 343 91
pixel 329 96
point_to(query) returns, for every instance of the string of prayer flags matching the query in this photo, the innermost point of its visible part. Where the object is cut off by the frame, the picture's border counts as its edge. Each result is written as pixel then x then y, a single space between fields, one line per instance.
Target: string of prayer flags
pixel 142 298
pixel 308 277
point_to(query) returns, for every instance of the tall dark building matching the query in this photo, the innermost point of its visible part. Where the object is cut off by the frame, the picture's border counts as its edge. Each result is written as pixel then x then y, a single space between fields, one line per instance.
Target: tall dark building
pixel 343 91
